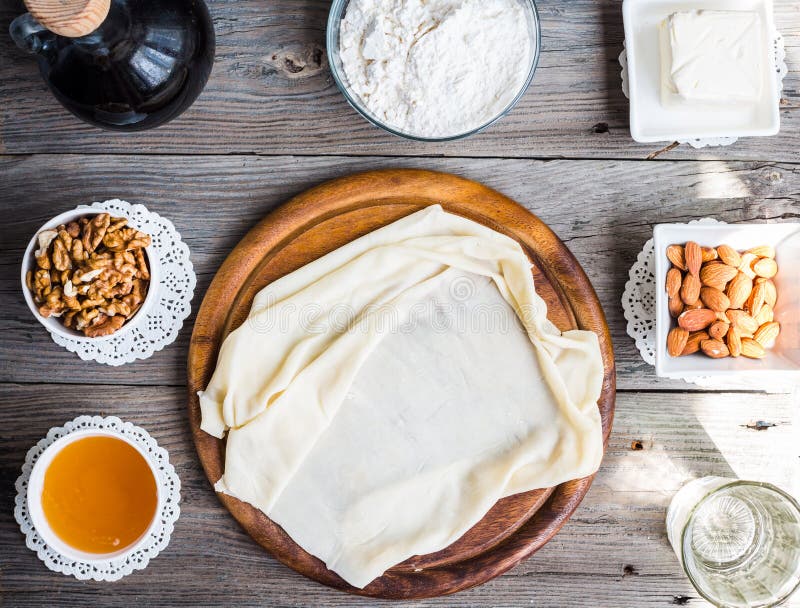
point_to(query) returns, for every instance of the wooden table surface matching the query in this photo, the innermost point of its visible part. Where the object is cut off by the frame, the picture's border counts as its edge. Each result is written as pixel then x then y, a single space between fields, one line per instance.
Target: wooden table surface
pixel 270 124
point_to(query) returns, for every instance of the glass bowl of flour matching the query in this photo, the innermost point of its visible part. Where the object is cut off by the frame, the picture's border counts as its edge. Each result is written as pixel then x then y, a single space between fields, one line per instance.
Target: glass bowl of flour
pixel 433 70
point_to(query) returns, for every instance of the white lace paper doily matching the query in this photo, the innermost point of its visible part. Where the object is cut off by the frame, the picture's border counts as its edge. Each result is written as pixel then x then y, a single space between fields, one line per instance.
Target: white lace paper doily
pixel 639 307
pixel 779 57
pixel 111 570
pixel 165 317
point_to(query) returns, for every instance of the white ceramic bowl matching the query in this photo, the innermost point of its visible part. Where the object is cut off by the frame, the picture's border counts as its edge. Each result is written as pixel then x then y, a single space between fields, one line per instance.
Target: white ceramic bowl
pixel 784 357
pixel 36 484
pixel 652 121
pixel 54 324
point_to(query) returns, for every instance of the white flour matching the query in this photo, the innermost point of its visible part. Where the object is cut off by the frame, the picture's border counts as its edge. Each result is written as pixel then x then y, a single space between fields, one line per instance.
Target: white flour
pixel 435 68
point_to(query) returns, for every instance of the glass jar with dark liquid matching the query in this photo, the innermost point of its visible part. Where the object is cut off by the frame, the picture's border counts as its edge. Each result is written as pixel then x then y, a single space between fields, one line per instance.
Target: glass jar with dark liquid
pixel 144 64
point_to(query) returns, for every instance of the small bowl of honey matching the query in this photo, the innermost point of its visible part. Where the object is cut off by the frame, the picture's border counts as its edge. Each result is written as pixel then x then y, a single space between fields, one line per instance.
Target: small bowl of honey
pixel 94 496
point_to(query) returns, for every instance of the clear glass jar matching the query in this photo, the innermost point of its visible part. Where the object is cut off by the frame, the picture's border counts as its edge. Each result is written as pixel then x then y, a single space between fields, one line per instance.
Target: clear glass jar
pixel 738 541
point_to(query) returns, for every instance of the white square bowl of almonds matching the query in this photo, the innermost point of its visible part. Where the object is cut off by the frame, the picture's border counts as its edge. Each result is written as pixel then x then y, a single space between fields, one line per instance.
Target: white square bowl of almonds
pixel 90 276
pixel 727 299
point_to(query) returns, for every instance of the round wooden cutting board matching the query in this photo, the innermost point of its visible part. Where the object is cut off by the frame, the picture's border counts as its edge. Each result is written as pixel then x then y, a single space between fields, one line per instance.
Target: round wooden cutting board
pixel 329 216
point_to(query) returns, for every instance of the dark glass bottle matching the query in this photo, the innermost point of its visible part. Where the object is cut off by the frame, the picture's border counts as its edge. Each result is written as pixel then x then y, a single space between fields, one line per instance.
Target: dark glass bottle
pixel 144 65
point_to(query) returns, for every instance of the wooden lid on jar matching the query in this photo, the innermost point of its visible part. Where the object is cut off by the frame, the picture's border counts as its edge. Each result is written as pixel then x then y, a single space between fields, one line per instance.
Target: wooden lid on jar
pixel 71 18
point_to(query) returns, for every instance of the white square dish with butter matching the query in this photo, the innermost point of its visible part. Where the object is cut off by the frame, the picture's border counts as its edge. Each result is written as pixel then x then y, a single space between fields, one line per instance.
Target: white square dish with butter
pixel 702 69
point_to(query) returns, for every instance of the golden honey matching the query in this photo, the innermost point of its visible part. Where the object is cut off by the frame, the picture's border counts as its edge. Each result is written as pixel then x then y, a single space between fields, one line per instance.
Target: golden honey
pixel 99 495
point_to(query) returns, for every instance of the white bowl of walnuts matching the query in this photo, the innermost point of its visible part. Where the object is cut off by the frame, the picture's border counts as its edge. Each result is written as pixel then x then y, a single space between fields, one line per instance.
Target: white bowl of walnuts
pixel 88 275
pixel 727 299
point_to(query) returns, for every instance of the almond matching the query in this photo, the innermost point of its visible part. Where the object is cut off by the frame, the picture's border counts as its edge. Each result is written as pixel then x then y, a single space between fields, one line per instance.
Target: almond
pixel 734 342
pixel 676 341
pixel 767 333
pixel 675 306
pixel 676 256
pixel 748 259
pixel 693 343
pixel 757 299
pixel 718 329
pixel 729 255
pixel 695 306
pixel 763 251
pixel 765 315
pixel 717 274
pixel 752 349
pixel 690 289
pixel 715 349
pixel 694 257
pixel 739 290
pixel 697 319
pixel 771 296
pixel 714 299
pixel 709 254
pixel 674 280
pixel 746 324
pixel 766 267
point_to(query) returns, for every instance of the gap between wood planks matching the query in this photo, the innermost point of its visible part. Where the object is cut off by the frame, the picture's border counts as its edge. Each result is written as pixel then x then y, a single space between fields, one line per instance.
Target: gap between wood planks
pixel 658 391
pixel 654 156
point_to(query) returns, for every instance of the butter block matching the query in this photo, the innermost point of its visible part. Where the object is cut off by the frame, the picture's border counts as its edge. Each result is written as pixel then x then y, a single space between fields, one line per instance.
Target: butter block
pixel 712 57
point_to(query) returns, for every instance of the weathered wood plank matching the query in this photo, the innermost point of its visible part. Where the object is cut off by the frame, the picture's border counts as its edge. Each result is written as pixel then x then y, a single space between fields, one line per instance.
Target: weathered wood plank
pixel 604 210
pixel 612 554
pixel 272 93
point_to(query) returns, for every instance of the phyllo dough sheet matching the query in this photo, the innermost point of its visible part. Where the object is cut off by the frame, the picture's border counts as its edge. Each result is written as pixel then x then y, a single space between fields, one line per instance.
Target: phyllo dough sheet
pixel 381 399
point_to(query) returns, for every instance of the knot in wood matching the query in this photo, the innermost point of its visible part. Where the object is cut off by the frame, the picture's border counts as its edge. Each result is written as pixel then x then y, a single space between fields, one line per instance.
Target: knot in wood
pixel 297 63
